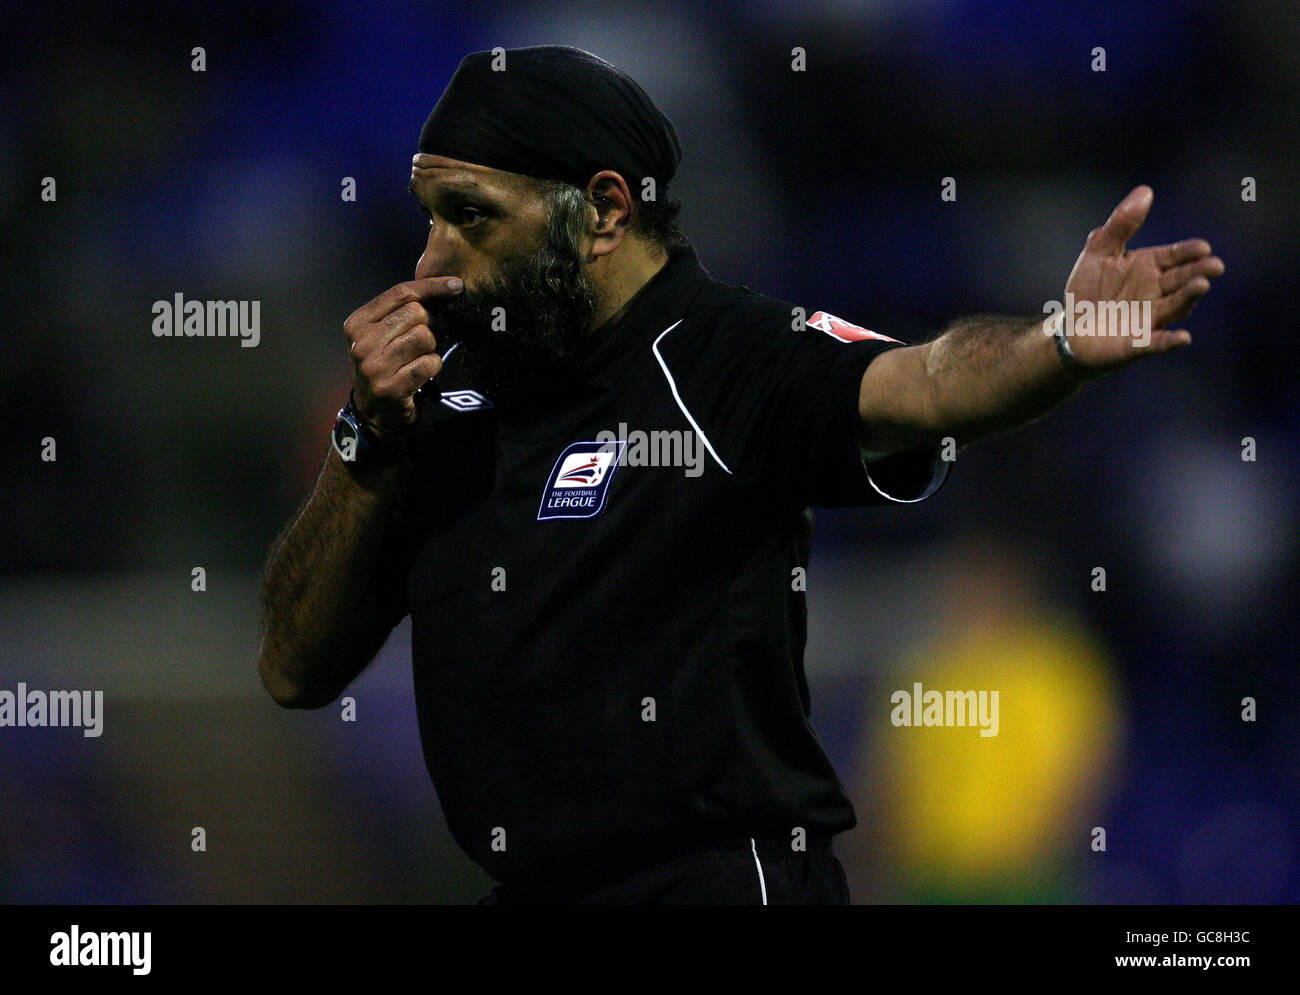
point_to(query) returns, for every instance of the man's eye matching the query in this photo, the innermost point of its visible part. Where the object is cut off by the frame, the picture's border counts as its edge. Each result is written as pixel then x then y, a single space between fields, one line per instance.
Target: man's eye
pixel 468 216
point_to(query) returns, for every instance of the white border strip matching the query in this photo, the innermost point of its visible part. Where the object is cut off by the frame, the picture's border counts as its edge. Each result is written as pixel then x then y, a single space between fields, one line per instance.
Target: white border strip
pixel 762 885
pixel 654 347
pixel 938 474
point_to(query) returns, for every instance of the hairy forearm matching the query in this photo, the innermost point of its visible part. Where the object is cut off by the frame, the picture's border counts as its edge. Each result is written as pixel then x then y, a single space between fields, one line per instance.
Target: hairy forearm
pixel 992 372
pixel 319 594
pixel 984 374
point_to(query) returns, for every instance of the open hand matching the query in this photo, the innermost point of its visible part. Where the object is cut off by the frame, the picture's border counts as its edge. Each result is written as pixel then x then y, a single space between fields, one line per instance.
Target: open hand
pixel 1135 296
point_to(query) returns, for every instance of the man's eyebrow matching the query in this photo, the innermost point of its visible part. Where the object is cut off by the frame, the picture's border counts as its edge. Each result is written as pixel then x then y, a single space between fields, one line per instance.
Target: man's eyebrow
pixel 453 187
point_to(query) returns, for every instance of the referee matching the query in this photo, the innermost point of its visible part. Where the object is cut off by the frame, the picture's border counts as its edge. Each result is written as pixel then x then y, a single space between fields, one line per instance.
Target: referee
pixel 584 468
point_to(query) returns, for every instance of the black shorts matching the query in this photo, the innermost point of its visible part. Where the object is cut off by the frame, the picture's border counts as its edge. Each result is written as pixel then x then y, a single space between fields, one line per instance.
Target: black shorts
pixel 740 872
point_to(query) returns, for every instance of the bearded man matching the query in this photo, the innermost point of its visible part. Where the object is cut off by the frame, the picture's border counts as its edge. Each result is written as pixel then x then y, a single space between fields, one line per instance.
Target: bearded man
pixel 607 650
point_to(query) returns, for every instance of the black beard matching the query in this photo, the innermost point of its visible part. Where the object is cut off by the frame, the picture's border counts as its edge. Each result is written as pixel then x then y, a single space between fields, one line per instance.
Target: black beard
pixel 547 307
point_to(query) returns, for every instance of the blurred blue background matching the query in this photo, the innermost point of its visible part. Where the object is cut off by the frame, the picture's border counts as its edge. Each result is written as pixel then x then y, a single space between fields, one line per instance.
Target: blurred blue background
pixel 1121 709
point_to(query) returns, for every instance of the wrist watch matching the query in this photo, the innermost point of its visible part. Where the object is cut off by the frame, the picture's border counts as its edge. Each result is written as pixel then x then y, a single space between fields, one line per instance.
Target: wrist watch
pixel 359 443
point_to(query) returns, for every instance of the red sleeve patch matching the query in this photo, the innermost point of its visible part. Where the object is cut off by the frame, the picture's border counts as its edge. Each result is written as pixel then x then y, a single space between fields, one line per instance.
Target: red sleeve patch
pixel 838 328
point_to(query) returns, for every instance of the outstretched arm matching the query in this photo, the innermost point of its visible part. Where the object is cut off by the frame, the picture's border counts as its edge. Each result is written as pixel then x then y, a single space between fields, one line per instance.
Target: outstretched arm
pixel 986 374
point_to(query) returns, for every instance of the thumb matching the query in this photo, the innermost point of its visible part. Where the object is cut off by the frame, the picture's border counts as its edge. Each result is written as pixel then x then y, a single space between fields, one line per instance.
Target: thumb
pixel 1123 222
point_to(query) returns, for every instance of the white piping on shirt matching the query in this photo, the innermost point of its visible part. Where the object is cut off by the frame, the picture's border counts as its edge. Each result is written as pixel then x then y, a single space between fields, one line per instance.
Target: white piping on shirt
pixel 762 885
pixel 937 476
pixel 672 384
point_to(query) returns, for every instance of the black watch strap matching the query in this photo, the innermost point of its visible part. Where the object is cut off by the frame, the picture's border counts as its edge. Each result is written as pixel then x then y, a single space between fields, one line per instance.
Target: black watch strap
pixel 360 443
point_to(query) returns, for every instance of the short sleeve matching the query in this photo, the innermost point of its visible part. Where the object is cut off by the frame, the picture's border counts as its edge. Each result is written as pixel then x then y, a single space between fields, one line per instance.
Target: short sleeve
pixel 776 402
pixel 907 477
pixel 814 426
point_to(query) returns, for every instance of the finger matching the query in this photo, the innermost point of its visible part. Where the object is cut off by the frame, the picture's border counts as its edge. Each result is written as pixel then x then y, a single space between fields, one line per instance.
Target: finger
pixel 431 288
pixel 1208 266
pixel 1169 341
pixel 397 323
pixel 1179 304
pixel 418 341
pixel 1180 252
pixel 417 373
pixel 1123 222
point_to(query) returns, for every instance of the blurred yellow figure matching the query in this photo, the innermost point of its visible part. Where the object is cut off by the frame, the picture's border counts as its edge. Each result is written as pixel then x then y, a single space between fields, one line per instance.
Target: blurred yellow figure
pixel 962 816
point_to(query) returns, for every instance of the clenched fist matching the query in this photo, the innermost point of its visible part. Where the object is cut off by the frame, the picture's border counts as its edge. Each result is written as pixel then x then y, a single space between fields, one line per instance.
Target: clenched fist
pixel 393 350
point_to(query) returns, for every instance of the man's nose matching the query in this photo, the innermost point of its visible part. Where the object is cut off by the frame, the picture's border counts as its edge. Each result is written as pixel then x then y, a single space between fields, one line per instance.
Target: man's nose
pixel 438 258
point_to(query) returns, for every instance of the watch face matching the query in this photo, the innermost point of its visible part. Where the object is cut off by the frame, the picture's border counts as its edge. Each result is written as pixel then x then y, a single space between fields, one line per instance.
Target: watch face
pixel 347 440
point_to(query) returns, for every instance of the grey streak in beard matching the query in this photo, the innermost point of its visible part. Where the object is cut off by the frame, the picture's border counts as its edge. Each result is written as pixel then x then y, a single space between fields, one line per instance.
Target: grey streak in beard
pixel 524 332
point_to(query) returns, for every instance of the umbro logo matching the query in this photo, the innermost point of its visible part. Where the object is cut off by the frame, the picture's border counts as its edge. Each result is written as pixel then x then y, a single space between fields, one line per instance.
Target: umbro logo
pixel 465 400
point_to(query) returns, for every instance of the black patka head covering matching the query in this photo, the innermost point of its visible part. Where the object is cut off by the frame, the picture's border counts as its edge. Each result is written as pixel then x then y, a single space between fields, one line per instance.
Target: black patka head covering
pixel 554 113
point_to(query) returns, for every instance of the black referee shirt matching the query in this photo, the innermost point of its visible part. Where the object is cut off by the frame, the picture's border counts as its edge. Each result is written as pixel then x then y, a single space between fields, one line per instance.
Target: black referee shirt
pixel 608 653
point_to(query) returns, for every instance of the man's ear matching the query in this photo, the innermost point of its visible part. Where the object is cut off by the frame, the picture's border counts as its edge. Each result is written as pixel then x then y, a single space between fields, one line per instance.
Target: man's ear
pixel 613 202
